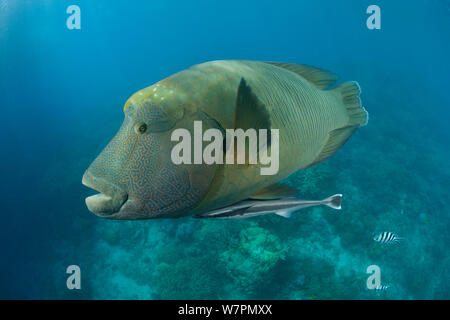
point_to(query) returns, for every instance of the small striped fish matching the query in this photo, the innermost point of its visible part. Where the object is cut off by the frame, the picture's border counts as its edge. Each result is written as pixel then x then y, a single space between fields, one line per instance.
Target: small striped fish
pixel 381 287
pixel 387 237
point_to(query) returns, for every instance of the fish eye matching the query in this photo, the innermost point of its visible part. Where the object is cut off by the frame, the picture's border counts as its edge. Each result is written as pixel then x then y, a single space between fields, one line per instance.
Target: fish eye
pixel 141 128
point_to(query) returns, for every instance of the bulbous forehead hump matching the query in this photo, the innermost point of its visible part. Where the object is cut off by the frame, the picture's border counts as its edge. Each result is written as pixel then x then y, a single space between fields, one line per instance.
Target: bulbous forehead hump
pixel 156 102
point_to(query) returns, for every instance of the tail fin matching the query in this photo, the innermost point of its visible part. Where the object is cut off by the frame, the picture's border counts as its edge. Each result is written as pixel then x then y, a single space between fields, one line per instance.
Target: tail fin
pixel 350 92
pixel 357 116
pixel 333 201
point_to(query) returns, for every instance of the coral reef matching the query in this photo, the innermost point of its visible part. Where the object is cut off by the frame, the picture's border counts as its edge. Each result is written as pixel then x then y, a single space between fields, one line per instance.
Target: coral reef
pixel 251 263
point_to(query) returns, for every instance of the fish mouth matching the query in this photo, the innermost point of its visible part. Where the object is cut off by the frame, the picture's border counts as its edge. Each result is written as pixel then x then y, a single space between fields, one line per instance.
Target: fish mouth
pixel 108 201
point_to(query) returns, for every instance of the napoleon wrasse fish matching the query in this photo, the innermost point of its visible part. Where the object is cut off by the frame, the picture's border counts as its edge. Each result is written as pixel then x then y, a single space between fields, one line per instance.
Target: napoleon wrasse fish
pixel 137 179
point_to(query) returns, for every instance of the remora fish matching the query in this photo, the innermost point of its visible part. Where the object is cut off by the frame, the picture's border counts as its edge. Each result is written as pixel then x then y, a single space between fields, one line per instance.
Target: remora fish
pixel 136 177
pixel 283 207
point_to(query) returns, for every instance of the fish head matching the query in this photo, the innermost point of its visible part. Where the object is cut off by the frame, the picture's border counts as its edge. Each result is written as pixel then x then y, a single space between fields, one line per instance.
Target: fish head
pixel 135 174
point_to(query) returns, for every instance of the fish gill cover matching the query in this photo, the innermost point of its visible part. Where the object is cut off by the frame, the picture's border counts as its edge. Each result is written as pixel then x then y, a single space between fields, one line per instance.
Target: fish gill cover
pixel 62 89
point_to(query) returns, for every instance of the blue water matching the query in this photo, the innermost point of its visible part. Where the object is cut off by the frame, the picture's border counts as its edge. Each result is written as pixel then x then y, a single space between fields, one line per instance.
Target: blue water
pixel 61 97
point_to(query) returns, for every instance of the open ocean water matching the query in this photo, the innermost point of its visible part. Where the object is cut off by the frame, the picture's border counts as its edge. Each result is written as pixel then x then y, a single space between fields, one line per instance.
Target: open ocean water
pixel 61 98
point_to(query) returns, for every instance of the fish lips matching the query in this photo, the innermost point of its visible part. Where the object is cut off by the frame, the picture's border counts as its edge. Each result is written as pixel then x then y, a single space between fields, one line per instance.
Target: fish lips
pixel 109 201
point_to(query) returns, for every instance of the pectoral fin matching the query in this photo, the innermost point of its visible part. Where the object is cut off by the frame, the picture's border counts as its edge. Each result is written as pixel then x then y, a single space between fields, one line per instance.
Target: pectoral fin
pixel 250 113
pixel 275 191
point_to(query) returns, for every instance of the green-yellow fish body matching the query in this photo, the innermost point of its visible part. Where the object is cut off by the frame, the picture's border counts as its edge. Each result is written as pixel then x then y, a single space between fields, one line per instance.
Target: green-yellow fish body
pixel 135 174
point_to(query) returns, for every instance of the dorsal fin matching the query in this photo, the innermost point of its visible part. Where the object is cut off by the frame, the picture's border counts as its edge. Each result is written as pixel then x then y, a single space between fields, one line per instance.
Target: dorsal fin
pixel 274 191
pixel 322 79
